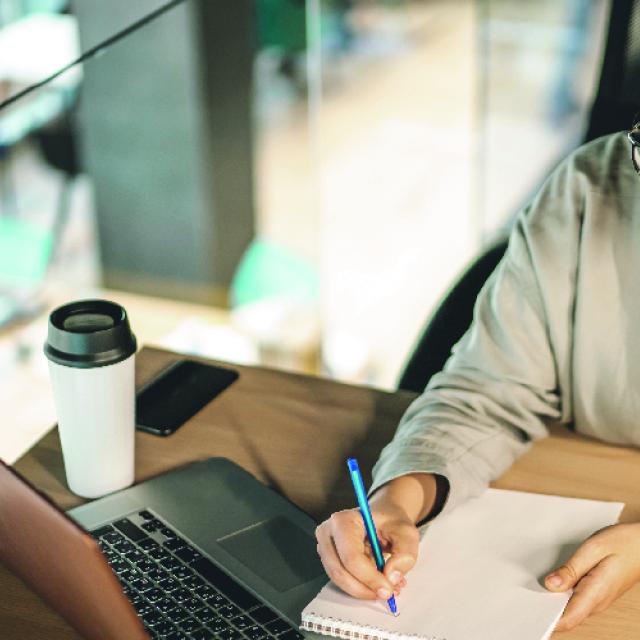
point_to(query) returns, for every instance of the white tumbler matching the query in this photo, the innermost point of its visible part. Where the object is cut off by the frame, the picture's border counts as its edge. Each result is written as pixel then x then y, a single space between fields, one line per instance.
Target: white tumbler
pixel 91 352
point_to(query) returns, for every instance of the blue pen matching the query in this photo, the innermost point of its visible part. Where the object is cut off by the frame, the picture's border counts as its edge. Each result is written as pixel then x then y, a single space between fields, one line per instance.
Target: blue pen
pixel 369 525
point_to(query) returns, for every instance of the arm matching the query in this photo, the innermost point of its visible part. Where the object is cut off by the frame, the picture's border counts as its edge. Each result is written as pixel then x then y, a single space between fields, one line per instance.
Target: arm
pixel 507 378
pixel 510 373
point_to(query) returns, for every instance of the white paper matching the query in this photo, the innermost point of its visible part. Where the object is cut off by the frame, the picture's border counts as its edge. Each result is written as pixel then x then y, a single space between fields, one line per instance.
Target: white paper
pixel 480 570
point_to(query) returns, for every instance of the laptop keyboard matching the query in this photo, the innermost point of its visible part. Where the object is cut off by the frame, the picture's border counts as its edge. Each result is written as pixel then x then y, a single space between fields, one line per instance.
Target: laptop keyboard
pixel 177 592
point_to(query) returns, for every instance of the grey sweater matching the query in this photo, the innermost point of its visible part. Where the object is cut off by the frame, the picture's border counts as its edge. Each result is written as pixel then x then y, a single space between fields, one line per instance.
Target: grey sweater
pixel 555 335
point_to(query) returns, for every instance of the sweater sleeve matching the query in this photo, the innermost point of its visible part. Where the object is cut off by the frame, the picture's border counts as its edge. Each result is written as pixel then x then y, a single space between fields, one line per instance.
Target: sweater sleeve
pixel 509 374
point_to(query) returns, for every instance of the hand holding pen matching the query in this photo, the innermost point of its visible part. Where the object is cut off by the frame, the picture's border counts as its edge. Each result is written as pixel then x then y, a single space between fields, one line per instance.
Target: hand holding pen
pixel 369 524
pixel 348 559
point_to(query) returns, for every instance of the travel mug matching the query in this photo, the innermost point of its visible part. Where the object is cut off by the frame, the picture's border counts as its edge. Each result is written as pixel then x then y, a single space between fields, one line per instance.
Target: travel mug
pixel 91 352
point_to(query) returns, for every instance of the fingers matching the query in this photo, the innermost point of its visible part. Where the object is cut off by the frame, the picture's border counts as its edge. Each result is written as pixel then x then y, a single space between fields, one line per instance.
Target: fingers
pixel 347 559
pixel 404 545
pixel 593 592
pixel 338 574
pixel 342 550
pixel 581 562
pixel 349 538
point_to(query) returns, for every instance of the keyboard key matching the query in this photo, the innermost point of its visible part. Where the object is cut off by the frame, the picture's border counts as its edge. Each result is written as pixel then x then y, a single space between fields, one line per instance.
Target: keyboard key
pixel 151 619
pixel 153 595
pixel 177 614
pixel 186 554
pixel 164 605
pixel 145 515
pixel 168 533
pixel 192 605
pixel 112 537
pixel 205 615
pixel 215 600
pixel 126 573
pixel 130 530
pixel 163 628
pixel 181 595
pixel 134 556
pixel 134 574
pixel 118 566
pixel 136 600
pixel 123 546
pixel 159 553
pixel 190 625
pixel 229 587
pixel 171 564
pixel 228 611
pixel 169 585
pixel 144 609
pixel 292 634
pixel 263 615
pixel 217 625
pixel 255 632
pixel 193 582
pixel 149 544
pixel 174 544
pixel 157 575
pixel 146 566
pixel 142 585
pixel 229 634
pixel 102 531
pixel 182 572
pixel 276 627
pixel 203 634
pixel 242 622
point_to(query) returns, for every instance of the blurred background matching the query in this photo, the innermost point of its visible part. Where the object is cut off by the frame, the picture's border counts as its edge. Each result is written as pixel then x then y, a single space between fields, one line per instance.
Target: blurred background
pixel 294 183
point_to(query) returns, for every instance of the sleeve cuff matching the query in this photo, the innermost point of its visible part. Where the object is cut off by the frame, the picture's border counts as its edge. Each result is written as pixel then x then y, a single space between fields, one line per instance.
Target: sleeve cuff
pixel 390 468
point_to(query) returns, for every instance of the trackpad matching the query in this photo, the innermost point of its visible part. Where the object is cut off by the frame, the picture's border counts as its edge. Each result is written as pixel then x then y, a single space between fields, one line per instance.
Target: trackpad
pixel 278 551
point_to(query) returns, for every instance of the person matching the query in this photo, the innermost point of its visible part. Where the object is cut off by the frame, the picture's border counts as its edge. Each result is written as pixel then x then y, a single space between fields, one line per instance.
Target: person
pixel 554 339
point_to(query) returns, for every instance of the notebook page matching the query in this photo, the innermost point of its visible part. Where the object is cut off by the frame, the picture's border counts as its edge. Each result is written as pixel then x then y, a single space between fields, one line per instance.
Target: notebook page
pixel 479 572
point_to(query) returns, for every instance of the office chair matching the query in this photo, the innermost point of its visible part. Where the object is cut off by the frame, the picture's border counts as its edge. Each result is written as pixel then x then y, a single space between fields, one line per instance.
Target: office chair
pixel 617 99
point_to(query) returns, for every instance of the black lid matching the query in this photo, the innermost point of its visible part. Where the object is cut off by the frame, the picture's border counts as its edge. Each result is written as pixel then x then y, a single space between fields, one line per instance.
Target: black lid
pixel 89 333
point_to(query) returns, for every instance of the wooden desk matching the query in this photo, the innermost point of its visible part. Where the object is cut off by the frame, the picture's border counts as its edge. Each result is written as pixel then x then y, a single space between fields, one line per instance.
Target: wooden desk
pixel 269 420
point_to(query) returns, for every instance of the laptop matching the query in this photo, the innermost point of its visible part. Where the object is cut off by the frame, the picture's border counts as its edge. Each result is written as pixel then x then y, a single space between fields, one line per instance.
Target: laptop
pixel 205 551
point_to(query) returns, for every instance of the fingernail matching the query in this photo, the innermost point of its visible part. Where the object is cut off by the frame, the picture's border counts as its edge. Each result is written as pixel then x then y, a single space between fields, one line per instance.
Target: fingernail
pixel 384 594
pixel 395 577
pixel 554 580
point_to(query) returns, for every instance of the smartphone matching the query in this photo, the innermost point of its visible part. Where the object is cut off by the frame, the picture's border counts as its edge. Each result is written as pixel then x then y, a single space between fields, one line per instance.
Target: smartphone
pixel 178 392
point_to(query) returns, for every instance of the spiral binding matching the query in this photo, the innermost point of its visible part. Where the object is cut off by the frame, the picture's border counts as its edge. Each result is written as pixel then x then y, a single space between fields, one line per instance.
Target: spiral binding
pixel 349 631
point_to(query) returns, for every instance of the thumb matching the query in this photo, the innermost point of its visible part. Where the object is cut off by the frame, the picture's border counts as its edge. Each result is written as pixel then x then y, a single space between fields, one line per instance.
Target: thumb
pixel 567 575
pixel 403 547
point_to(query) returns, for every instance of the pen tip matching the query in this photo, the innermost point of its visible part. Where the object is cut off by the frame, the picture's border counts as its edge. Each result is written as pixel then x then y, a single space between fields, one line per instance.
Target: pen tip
pixel 396 614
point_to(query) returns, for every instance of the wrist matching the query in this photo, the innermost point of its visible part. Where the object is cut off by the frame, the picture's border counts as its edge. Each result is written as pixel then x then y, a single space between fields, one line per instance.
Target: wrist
pixel 415 495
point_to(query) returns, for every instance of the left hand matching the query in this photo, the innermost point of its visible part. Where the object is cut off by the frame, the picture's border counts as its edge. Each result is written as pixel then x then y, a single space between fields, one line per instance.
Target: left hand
pixel 605 565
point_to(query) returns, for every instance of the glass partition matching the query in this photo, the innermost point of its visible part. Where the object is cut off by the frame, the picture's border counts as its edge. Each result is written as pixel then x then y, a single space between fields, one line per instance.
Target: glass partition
pixel 322 169
pixel 438 122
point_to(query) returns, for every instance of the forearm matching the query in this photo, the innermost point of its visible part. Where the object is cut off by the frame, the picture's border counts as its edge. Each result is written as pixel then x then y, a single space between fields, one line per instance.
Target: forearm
pixel 418 495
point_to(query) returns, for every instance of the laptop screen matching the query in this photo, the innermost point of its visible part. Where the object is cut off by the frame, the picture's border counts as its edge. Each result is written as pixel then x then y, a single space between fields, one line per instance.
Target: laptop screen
pixel 61 562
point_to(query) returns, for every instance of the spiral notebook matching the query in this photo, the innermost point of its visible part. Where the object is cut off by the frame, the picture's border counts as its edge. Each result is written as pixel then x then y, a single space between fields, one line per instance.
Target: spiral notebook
pixel 478 576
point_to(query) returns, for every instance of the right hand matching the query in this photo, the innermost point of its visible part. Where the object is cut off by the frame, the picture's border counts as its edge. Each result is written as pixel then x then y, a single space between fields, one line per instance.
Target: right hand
pixel 348 558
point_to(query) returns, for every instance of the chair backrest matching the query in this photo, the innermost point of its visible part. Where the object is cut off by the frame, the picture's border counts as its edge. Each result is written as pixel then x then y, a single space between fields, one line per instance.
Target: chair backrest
pixel 616 101
pixel 618 94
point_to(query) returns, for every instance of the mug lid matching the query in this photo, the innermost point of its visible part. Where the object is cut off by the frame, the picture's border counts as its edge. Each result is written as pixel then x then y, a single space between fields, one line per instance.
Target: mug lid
pixel 89 333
